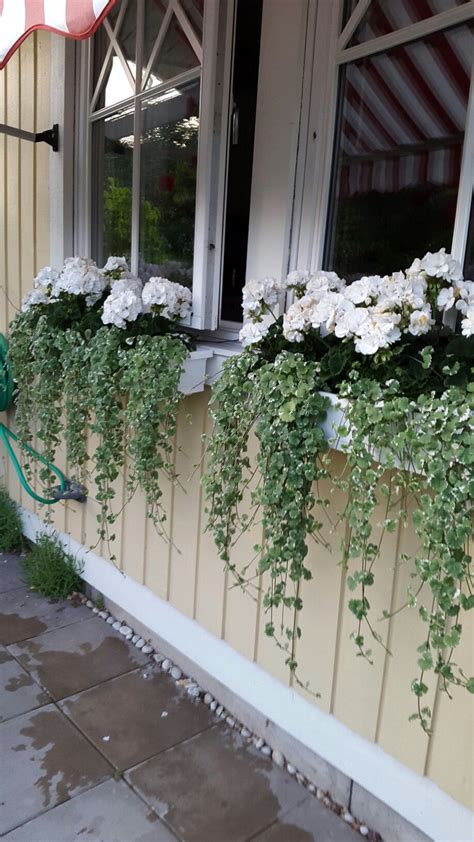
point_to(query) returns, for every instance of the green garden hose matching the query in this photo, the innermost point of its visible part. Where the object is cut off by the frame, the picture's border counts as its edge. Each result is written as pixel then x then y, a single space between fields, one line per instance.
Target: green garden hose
pixel 66 490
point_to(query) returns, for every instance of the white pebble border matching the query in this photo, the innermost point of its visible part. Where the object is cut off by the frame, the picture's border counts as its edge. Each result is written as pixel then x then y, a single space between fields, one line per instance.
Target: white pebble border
pixel 196 692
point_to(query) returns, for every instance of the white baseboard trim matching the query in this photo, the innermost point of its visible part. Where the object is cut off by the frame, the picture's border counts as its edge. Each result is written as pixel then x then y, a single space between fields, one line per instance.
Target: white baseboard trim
pixel 414 797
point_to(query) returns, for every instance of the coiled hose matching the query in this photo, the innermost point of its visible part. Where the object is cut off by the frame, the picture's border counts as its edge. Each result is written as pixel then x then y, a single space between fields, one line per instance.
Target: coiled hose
pixel 65 490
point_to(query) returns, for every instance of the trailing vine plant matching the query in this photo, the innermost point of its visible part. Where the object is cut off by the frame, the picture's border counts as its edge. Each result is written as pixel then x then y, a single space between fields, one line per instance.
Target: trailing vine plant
pixel 402 384
pixel 97 356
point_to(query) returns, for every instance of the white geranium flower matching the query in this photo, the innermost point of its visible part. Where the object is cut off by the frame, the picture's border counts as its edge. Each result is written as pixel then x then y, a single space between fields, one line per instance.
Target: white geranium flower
pixel 467 324
pixel 350 320
pixel 438 264
pixel 328 280
pixel 415 270
pixel 296 320
pixel 466 292
pixel 116 267
pixel 420 321
pixel 259 296
pixel 46 279
pixel 364 290
pixel 81 277
pixel 124 304
pixel 324 313
pixel 253 332
pixel 36 296
pixel 398 290
pixel 297 279
pixel 446 299
pixel 170 300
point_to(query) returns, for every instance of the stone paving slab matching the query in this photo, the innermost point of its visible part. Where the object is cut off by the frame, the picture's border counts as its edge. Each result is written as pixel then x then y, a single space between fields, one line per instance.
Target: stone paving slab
pixel 216 788
pixel 19 693
pixel 71 659
pixel 47 762
pixel 310 821
pixel 128 710
pixel 110 812
pixel 24 614
pixel 11 576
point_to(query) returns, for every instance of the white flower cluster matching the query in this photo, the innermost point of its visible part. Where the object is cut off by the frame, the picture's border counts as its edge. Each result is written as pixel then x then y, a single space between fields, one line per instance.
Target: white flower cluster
pixel 124 296
pixel 373 311
pixel 78 276
pixel 124 303
pixel 173 301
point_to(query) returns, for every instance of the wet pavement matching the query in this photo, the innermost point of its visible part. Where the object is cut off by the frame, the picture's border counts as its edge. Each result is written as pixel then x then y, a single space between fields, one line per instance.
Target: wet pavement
pixel 97 743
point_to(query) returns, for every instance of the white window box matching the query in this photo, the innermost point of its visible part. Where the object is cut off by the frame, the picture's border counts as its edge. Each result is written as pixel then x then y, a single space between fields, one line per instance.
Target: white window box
pixel 193 378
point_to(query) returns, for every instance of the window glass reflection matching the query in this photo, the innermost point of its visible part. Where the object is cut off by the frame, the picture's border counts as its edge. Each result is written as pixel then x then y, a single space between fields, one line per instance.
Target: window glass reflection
pixel 398 153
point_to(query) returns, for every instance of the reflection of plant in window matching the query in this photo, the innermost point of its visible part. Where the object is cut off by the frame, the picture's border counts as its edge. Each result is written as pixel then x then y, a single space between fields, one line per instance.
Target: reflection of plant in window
pixel 169 157
pixel 117 216
pixel 376 231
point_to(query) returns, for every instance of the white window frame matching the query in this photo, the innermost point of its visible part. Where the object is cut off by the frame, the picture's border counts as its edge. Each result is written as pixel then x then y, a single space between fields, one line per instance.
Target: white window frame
pixel 327 51
pixel 215 73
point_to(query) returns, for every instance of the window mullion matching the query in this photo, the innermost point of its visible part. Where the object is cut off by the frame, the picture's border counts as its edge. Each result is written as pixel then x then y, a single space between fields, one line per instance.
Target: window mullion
pixel 353 23
pixel 463 205
pixel 136 175
pixel 413 32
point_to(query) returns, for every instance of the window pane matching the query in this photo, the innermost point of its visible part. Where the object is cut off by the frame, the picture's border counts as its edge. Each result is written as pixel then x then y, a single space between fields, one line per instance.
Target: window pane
pixel 398 153
pixel 112 185
pixel 384 16
pixel 174 56
pixel 115 85
pixel 169 143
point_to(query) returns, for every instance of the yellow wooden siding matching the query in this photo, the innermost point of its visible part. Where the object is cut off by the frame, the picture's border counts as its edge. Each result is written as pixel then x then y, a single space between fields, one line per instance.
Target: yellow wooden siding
pixel 374 701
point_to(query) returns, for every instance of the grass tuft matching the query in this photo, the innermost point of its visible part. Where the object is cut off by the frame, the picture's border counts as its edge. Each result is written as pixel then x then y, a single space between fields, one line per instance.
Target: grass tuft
pixel 11 537
pixel 50 571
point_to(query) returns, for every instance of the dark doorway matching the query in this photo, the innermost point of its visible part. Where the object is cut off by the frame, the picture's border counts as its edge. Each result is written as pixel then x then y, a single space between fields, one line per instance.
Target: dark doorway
pixel 242 134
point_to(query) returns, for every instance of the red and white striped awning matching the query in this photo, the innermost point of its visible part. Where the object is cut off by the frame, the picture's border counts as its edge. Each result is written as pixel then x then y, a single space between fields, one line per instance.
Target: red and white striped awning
pixel 73 18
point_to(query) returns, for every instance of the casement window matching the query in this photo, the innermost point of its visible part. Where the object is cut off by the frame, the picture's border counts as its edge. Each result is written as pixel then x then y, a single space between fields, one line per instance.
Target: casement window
pixel 157 122
pixel 388 163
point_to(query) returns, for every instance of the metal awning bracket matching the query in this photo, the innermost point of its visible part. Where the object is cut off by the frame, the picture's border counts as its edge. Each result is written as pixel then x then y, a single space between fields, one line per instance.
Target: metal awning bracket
pixel 50 136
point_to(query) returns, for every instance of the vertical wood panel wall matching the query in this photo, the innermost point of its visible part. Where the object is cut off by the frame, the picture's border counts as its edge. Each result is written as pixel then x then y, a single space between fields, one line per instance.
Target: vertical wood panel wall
pixel 374 701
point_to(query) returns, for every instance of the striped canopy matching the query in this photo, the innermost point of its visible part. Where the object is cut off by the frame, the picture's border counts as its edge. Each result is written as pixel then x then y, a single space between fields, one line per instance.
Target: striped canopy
pixel 73 18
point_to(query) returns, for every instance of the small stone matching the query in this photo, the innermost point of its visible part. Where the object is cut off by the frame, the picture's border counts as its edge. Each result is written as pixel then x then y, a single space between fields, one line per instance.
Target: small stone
pixel 312 788
pixel 176 673
pixel 89 603
pixel 147 676
pixel 319 794
pixel 326 801
pixel 223 714
pixel 166 665
pixel 208 699
pixel 104 614
pixel 140 643
pixel 278 758
pixel 300 777
pixel 110 620
pixel 164 713
pixel 266 750
pixel 147 649
pixel 135 637
pixel 348 817
pixel 117 625
pixel 245 731
pixel 95 610
pixel 213 705
pixel 125 630
pixel 259 742
pixel 291 769
pixel 106 739
pixel 128 636
pixel 230 721
pixel 364 830
pixel 158 659
pixel 219 710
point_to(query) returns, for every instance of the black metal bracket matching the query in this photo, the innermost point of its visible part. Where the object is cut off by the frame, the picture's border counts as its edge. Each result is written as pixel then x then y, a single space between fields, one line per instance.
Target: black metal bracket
pixel 50 136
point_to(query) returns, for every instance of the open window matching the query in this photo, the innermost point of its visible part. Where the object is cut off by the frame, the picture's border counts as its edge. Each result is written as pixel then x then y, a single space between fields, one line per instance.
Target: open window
pixel 167 98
